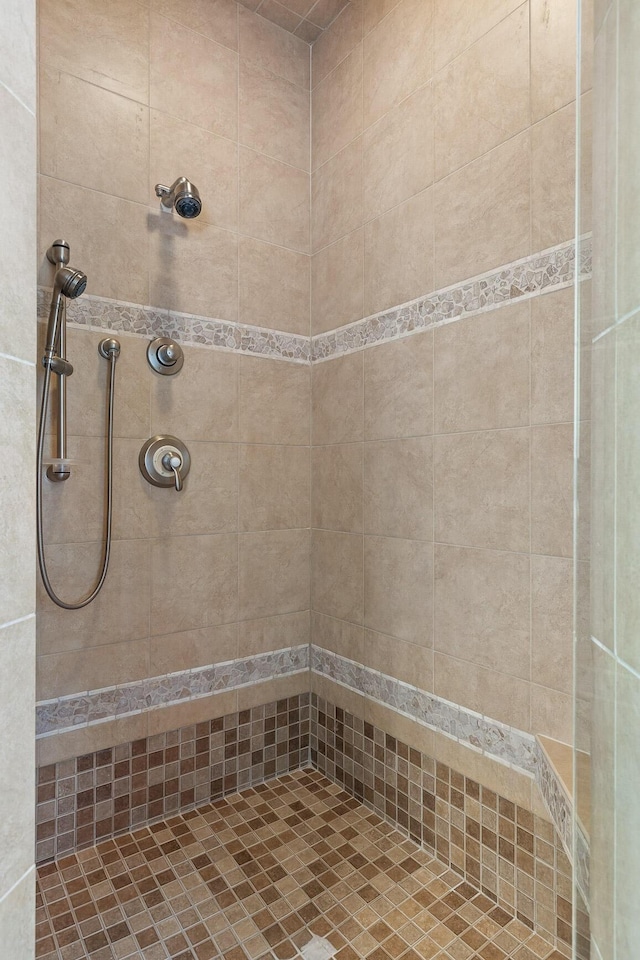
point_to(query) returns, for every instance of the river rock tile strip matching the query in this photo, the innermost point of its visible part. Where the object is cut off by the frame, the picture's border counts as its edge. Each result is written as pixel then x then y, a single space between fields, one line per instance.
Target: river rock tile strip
pixel 257 875
pixel 83 709
pixel 534 275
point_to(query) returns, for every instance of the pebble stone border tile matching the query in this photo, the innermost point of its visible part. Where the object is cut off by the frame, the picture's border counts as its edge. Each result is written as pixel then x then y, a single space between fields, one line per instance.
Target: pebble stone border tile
pixel 512 855
pixel 531 276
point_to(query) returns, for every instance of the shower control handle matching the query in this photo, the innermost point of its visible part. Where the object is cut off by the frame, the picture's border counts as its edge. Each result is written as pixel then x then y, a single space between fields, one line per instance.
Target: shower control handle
pixel 165 356
pixel 164 461
pixel 173 461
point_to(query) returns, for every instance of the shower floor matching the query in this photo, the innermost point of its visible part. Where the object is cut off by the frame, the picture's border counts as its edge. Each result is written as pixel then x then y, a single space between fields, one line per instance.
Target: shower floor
pixel 256 875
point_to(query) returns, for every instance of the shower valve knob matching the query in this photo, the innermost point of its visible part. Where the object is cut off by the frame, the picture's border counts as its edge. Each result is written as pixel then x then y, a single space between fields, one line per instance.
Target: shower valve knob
pixel 165 356
pixel 165 462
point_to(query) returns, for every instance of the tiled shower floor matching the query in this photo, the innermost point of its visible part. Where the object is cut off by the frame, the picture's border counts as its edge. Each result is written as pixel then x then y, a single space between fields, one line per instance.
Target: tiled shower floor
pixel 256 874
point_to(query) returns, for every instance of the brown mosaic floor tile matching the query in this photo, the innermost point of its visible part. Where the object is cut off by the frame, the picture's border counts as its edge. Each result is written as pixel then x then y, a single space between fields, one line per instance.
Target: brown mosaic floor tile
pixel 254 875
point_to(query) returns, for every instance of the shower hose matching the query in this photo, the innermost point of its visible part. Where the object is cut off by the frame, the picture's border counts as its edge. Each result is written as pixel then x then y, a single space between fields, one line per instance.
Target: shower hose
pixel 109 481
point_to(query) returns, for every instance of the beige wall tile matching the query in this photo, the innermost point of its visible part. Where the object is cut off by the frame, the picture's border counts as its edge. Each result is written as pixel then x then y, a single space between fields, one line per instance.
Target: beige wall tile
pixel 338 40
pixel 280 15
pixel 345 639
pixel 396 725
pixel 16 910
pixel 398 260
pixel 274 286
pixel 398 388
pixel 551 713
pixel 82 129
pixel 119 613
pixel 482 213
pixel 398 488
pixel 481 368
pixel 17 481
pixel 279 688
pixel 60 674
pixel 336 574
pixel 262 43
pixel 114 257
pixel 17 750
pixel 74 510
pixel 274 201
pixel 273 401
pixel 552 357
pixel 337 487
pixel 18 172
pixel 337 397
pixel 408 662
pixel 496 695
pixel 375 11
pixel 193 648
pixel 503 780
pixel 192 711
pixel 552 623
pixel 273 575
pixel 210 504
pixel 194 582
pixel 341 696
pixel 337 283
pixel 398 56
pixel 192 77
pixel 398 588
pixel 481 489
pixel 273 487
pixel 398 153
pixel 482 608
pixel 273 633
pixel 98 736
pixel 336 196
pixel 480 99
pixel 553 56
pixel 553 161
pixel 176 402
pixel 552 489
pixel 337 108
pixel 184 274
pixel 458 24
pixel 216 19
pixel 210 161
pixel 274 115
pixel 324 11
pixel 111 50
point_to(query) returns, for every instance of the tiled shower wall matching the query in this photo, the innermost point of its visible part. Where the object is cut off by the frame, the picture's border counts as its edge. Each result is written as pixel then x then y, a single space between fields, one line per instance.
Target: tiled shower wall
pixel 442 463
pixel 17 501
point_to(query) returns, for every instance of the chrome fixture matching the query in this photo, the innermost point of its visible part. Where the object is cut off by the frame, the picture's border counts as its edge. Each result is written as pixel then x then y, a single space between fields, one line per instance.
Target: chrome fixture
pixel 165 462
pixel 165 356
pixel 183 195
pixel 69 284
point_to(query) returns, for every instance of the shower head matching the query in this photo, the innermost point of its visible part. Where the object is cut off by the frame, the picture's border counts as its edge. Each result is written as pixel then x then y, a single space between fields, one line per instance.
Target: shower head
pixel 71 283
pixel 183 195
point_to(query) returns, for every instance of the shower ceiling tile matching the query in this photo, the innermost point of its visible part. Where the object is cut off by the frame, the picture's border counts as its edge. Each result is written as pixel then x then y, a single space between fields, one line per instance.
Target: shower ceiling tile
pixel 307 19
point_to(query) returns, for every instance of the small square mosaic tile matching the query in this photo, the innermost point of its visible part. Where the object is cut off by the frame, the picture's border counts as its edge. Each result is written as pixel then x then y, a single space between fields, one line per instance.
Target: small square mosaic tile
pixel 256 874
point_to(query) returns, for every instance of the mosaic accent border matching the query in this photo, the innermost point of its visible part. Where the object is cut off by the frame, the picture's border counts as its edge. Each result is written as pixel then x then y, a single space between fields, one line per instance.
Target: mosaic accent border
pixel 531 276
pixel 116 316
pixel 510 746
pixel 97 706
pixel 513 856
pixel 560 807
pixel 89 798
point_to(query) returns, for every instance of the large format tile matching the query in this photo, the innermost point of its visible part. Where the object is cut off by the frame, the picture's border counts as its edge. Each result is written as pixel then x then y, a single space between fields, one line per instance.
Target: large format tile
pixel 338 40
pixel 458 24
pixel 412 663
pixel 553 56
pixel 273 633
pixel 193 78
pixel 337 109
pixel 274 201
pixel 273 401
pixel 339 636
pixel 60 674
pixel 262 43
pixel 553 166
pixel 199 403
pixel 337 487
pixel 482 608
pixel 111 50
pixel 398 388
pixel 552 345
pixel 273 286
pixel 274 115
pixel 194 582
pixel 337 400
pixel 398 588
pixel 552 489
pixel 482 213
pixel 552 622
pixel 337 283
pixel 82 129
pixel 216 19
pixel 18 174
pixel 336 574
pixel 481 100
pixel 398 488
pixel 496 695
pixel 273 573
pixel 481 489
pixel 273 487
pixel 336 191
pixel 481 371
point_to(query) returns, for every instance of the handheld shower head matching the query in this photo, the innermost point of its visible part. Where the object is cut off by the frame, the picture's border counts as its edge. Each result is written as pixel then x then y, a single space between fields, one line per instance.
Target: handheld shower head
pixel 183 195
pixel 71 283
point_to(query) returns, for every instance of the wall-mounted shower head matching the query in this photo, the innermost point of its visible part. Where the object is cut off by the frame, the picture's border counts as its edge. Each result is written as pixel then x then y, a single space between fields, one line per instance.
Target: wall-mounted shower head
pixel 183 195
pixel 71 283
